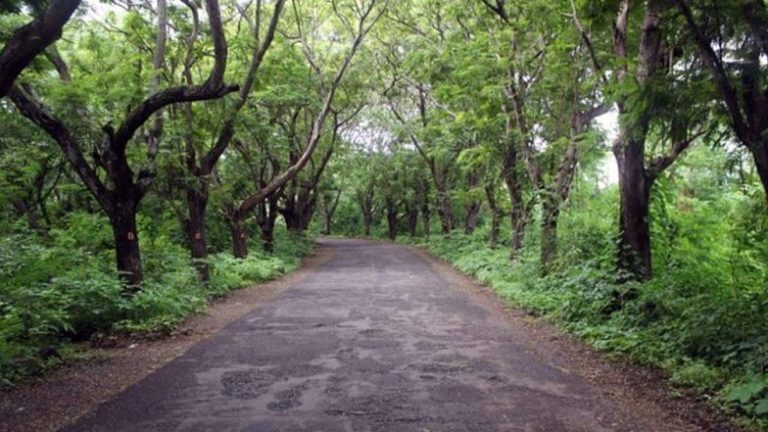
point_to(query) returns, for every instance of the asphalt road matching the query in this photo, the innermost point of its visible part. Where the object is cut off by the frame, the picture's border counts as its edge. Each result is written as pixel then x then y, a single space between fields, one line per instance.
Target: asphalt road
pixel 373 340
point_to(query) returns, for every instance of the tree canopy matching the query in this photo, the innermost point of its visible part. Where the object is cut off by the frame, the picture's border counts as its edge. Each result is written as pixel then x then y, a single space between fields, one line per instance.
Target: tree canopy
pixel 194 140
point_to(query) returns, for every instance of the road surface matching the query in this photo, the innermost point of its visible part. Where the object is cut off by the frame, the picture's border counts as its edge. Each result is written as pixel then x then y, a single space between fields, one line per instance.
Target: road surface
pixel 376 339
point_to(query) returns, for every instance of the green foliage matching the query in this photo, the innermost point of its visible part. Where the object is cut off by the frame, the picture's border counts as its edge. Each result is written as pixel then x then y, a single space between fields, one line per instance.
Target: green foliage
pixel 65 290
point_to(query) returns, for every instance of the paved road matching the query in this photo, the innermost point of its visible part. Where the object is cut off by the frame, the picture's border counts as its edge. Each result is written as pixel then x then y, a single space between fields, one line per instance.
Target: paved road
pixel 373 340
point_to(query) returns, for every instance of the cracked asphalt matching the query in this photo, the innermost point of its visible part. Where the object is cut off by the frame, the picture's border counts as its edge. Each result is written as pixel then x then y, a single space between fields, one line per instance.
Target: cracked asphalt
pixel 376 339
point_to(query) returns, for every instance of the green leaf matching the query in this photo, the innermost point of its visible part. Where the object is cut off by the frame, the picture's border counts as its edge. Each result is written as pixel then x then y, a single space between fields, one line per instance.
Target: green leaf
pixel 761 407
pixel 745 392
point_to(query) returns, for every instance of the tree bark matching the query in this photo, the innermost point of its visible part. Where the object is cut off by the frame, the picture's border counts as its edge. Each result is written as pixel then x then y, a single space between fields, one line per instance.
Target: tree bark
pixel 266 220
pixel 31 39
pixel 366 207
pixel 550 208
pixel 239 237
pixel 490 193
pixel 445 206
pixel 391 219
pixel 634 252
pixel 412 216
pixel 426 213
pixel 329 209
pixel 197 201
pixel 127 255
pixel 518 217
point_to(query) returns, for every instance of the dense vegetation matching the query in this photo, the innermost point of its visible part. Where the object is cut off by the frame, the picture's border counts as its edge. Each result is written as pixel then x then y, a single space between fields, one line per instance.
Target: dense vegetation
pixel 602 163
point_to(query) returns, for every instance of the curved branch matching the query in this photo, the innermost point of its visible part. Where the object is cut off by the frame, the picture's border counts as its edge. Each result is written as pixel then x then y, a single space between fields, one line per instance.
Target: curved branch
pixel 31 39
pixel 211 89
pixel 281 179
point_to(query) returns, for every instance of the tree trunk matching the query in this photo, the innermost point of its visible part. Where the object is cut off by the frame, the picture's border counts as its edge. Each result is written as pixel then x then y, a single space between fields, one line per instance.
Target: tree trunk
pixel 518 215
pixel 445 206
pixel 123 221
pixel 197 201
pixel 550 208
pixel 413 220
pixel 426 218
pixel 760 155
pixel 328 224
pixel 366 206
pixel 267 215
pixel 445 210
pixel 490 193
pixel 635 235
pixel 239 237
pixel 391 219
pixel 473 213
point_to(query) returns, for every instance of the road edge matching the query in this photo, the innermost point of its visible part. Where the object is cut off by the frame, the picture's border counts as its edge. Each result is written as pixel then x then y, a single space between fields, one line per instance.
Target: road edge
pixel 64 395
pixel 640 389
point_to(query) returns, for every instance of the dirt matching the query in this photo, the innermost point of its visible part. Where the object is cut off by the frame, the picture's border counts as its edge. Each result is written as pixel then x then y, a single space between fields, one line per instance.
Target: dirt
pixel 369 337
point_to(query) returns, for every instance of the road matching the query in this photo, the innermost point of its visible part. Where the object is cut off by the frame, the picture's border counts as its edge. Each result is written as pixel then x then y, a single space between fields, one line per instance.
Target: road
pixel 376 339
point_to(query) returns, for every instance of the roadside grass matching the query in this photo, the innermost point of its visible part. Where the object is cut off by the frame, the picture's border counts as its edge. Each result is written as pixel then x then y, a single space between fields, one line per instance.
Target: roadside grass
pixel 55 294
pixel 713 342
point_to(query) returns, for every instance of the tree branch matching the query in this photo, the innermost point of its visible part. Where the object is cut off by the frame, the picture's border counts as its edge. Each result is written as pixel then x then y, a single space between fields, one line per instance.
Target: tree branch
pixel 31 39
pixel 41 116
pixel 279 180
pixel 213 88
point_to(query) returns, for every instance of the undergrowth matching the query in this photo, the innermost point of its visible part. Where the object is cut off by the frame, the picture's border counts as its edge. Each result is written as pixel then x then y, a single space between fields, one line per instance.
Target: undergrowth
pixel 703 318
pixel 66 290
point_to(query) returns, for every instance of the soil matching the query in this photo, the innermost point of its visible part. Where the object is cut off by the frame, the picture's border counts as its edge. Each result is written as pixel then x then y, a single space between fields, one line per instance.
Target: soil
pixel 369 336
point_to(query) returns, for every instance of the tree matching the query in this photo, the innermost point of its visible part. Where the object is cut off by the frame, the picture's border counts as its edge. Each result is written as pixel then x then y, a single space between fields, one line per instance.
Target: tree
pixel 200 164
pixel 643 83
pixel 366 18
pixel 731 37
pixel 121 193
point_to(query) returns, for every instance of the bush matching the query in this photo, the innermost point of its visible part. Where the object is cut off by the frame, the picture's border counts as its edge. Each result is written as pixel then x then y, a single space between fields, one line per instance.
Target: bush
pixel 66 289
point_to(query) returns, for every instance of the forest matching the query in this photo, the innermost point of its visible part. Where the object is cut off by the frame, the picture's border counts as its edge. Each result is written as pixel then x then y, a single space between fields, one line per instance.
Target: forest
pixel 603 164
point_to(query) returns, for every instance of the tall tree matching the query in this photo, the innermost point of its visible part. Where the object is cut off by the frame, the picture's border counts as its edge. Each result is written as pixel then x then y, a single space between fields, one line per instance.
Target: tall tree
pixel 366 16
pixel 122 189
pixel 639 76
pixel 732 41
pixel 200 164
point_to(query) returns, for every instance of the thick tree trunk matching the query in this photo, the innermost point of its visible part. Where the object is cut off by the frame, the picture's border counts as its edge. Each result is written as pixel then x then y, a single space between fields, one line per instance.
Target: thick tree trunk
pixel 445 211
pixel 266 220
pixel 268 235
pixel 635 235
pixel 518 215
pixel 490 193
pixel 550 208
pixel 412 214
pixel 473 214
pixel 197 201
pixel 239 237
pixel 759 152
pixel 327 224
pixel 366 206
pixel 426 212
pixel 445 206
pixel 128 257
pixel 391 220
pixel 329 209
pixel 472 209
